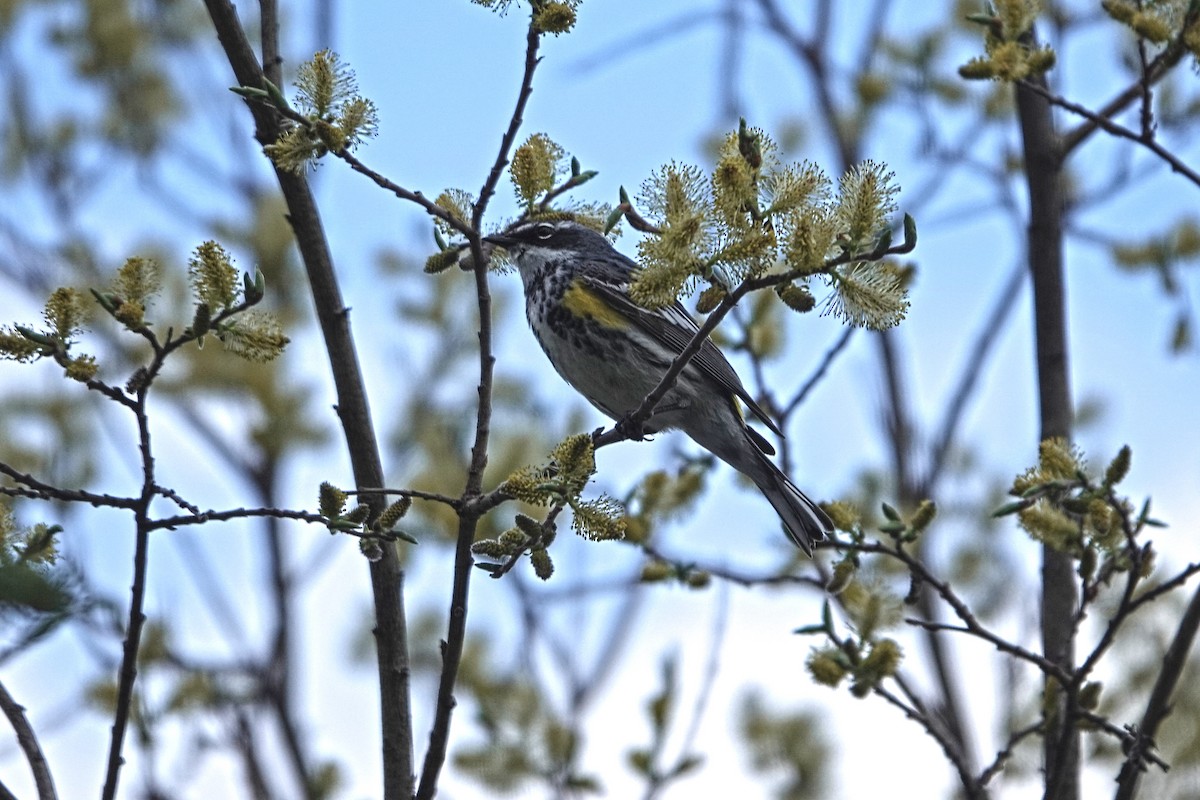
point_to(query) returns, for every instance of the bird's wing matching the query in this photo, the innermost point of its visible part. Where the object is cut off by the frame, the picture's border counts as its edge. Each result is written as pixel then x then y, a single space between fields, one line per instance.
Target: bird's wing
pixel 674 327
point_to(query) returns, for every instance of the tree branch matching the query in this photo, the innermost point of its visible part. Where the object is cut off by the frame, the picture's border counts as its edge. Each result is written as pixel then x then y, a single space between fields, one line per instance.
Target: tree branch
pixel 1043 174
pixel 27 740
pixel 1155 71
pixel 387 578
pixel 1145 138
pixel 452 647
pixel 1159 705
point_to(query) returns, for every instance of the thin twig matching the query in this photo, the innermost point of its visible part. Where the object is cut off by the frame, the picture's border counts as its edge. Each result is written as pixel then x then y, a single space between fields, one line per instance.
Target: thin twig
pixel 965 777
pixel 1155 71
pixel 971 624
pixel 1103 122
pixel 1002 756
pixel 127 673
pixel 40 490
pixel 1159 705
pixel 415 494
pixel 826 361
pixel 439 734
pixel 28 742
pixel 432 208
pixel 171 523
pixel 1181 578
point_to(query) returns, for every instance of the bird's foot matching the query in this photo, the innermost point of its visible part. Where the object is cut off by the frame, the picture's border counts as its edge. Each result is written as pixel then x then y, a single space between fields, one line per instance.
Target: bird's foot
pixel 632 428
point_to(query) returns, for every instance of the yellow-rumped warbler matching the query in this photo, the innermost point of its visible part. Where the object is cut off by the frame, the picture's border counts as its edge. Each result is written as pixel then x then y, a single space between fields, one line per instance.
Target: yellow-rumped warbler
pixel 614 352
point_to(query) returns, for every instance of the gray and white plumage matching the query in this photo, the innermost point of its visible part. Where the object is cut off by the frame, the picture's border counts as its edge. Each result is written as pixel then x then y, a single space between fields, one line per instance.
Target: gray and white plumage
pixel 614 352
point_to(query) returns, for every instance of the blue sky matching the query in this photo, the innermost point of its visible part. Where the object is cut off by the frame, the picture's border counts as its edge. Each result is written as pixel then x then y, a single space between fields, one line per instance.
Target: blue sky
pixel 445 75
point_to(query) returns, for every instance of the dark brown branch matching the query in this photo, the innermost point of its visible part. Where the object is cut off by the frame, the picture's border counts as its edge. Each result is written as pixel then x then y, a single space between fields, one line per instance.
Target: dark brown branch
pixel 27 740
pixel 953 755
pixel 1043 174
pixel 415 494
pixel 532 41
pixel 128 671
pixel 1167 586
pixel 1145 138
pixel 826 362
pixel 1155 71
pixel 38 490
pixel 432 208
pixel 971 624
pixel 738 577
pixel 183 520
pixel 1002 756
pixel 435 756
pixel 1159 705
pixel 387 578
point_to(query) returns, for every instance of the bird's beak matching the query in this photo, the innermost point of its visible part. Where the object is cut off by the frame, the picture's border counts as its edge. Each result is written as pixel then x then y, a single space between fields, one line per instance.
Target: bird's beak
pixel 500 240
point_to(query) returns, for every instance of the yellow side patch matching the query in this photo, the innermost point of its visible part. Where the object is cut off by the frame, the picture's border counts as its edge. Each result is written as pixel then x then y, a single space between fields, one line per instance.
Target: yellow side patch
pixel 583 302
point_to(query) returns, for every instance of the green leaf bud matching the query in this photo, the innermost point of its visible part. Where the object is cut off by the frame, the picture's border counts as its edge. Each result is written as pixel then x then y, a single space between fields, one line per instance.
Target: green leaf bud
pixel 1089 695
pixel 924 515
pixel 513 540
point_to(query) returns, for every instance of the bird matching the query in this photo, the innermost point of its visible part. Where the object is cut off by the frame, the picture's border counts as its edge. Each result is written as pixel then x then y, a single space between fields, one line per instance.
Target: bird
pixel 614 352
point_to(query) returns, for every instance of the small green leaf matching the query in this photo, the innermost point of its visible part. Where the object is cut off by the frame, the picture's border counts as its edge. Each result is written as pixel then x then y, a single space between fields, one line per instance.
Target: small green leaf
pixel 883 243
pixel 1011 508
pixel 250 93
pixel 276 96
pixel 614 217
pixel 910 234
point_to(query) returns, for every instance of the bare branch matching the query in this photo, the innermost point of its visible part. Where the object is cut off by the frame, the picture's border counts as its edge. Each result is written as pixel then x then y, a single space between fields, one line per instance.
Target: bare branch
pixel 28 742
pixel 199 518
pixel 1159 705
pixel 969 785
pixel 1145 138
pixel 387 577
pixel 439 735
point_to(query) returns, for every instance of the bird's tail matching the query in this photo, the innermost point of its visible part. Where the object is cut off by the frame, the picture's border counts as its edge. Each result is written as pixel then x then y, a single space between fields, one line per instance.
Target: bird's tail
pixel 806 523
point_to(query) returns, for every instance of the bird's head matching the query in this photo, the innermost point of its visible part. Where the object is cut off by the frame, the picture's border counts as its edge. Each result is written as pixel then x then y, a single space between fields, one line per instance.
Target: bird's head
pixel 535 241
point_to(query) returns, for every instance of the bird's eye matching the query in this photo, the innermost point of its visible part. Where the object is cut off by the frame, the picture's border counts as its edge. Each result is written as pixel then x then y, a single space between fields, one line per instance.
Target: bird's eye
pixel 544 231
